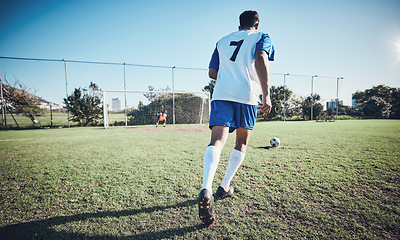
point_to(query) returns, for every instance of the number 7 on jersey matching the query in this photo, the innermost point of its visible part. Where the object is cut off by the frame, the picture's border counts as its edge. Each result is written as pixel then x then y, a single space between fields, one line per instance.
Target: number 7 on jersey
pixel 238 44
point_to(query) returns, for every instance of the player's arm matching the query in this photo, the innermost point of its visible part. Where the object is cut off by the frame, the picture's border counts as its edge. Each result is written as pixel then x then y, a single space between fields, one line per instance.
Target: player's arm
pixel 212 73
pixel 214 65
pixel 262 68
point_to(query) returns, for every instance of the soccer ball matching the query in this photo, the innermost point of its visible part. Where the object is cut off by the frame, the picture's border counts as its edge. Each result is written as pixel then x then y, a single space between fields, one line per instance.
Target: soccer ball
pixel 275 142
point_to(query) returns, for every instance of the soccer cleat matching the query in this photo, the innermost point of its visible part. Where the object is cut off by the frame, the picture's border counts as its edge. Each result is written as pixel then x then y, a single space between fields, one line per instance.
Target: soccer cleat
pixel 206 207
pixel 221 193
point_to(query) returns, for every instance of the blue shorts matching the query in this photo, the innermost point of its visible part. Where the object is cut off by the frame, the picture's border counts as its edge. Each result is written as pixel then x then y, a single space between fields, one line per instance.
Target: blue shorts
pixel 233 115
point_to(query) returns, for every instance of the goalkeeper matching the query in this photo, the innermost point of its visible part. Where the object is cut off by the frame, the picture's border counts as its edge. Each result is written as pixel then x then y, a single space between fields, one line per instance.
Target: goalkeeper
pixel 161 118
pixel 240 66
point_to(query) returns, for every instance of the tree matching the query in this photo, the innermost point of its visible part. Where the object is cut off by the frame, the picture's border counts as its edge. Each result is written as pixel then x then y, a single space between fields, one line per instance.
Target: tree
pixel 388 94
pixel 381 91
pixel 84 105
pixel 20 101
pixel 329 111
pixel 210 87
pixel 188 108
pixel 376 107
pixel 280 97
pixel 395 110
pixel 151 96
pixel 313 100
pixel 140 105
pixel 294 107
pixel 344 110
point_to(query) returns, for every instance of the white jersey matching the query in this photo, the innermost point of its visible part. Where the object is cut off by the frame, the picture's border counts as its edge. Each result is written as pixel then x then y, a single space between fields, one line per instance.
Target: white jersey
pixel 233 57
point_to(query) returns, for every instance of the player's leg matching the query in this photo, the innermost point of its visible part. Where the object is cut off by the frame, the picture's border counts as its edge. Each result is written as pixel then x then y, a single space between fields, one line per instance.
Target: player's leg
pixel 220 120
pixel 164 122
pixel 242 139
pixel 212 154
pixel 245 117
pixel 235 160
pixel 157 123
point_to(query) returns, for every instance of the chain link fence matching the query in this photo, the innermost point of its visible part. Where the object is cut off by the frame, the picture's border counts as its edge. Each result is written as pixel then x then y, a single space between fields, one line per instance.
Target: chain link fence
pixel 52 80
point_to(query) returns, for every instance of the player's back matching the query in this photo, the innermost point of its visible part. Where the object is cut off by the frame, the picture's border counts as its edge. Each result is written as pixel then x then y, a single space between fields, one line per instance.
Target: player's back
pixel 237 79
pixel 237 49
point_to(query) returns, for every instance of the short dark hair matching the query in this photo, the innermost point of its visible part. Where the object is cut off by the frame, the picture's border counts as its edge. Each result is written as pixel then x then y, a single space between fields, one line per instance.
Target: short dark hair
pixel 249 19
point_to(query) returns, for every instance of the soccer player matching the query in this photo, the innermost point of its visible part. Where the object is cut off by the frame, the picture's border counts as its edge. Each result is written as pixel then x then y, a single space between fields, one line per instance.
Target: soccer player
pixel 240 66
pixel 162 118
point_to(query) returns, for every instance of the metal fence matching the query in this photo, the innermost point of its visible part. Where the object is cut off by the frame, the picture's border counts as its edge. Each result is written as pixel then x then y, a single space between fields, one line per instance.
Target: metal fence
pixel 54 79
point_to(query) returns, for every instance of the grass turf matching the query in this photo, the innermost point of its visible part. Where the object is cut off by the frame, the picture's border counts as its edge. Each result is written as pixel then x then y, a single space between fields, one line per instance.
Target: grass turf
pixel 326 180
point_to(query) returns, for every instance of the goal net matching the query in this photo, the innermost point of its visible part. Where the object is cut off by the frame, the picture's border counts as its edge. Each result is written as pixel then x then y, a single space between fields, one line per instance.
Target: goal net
pixel 129 108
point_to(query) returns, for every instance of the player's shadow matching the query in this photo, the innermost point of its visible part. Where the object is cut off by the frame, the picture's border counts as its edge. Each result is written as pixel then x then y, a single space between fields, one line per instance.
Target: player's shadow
pixel 44 228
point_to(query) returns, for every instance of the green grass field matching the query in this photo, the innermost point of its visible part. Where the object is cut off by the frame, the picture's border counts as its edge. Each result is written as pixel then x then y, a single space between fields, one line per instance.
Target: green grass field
pixel 330 180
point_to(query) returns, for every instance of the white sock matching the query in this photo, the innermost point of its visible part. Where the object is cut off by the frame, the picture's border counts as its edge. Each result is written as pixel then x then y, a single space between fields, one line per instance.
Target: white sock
pixel 235 160
pixel 210 164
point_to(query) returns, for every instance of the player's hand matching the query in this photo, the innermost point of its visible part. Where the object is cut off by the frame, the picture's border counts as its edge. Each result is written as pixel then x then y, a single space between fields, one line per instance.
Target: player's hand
pixel 266 107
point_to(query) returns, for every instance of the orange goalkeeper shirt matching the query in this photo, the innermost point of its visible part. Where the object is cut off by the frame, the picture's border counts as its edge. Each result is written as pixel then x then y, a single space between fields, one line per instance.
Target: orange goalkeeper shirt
pixel 161 117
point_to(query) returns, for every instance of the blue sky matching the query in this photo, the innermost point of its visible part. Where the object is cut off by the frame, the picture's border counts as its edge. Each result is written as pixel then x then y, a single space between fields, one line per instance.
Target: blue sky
pixel 359 40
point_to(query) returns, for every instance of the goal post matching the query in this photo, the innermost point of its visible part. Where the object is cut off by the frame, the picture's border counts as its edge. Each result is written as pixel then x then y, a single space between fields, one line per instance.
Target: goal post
pixel 133 107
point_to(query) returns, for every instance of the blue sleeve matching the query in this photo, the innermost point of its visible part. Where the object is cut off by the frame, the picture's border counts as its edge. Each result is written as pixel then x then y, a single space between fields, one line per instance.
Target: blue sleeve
pixel 214 63
pixel 265 44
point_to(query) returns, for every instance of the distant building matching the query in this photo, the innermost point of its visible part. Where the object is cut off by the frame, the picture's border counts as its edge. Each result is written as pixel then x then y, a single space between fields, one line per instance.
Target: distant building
pixel 115 104
pixel 354 103
pixel 332 103
pixel 49 105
